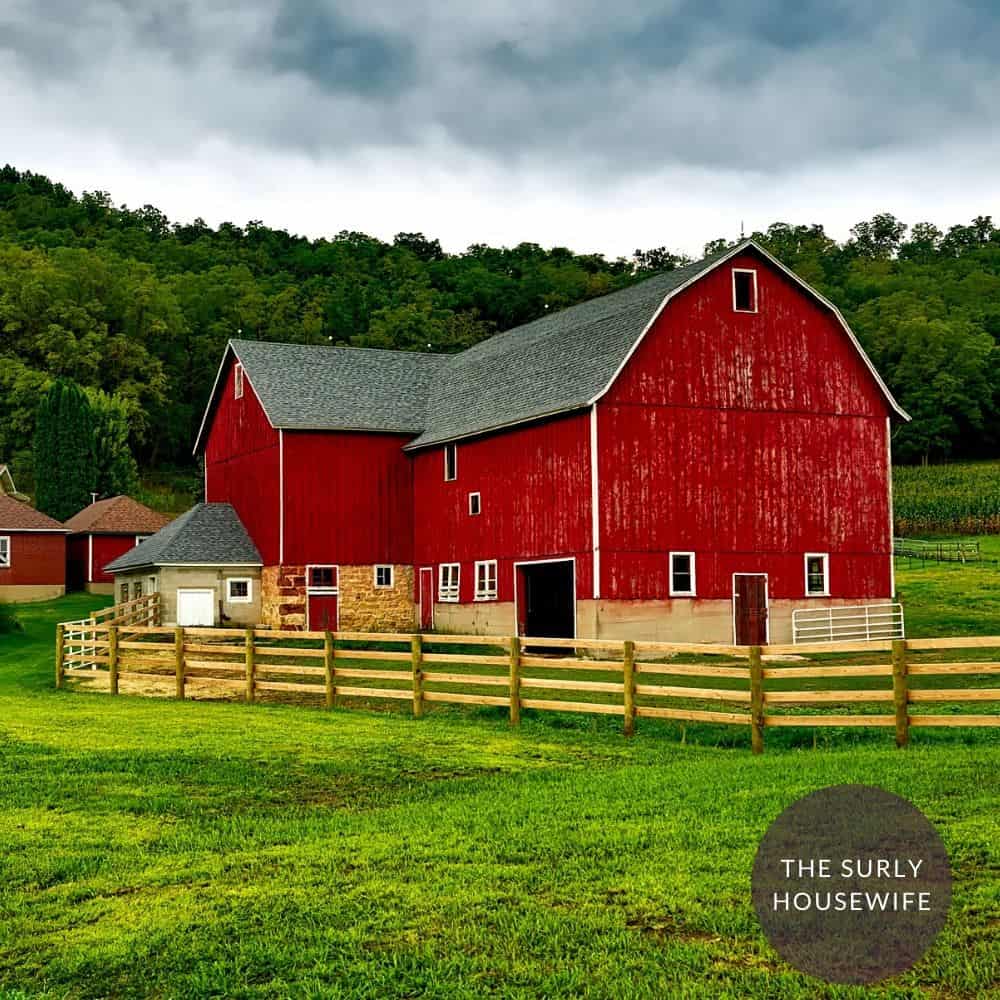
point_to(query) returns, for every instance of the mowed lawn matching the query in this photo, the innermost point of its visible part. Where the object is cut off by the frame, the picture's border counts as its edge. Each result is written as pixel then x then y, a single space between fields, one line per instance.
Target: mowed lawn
pixel 150 847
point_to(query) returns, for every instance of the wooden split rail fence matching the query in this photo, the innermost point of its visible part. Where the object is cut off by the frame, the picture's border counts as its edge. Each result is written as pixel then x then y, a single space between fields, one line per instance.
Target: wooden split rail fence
pixel 752 687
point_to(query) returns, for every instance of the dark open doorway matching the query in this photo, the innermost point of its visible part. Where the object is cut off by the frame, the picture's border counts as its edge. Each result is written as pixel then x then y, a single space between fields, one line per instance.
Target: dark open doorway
pixel 546 602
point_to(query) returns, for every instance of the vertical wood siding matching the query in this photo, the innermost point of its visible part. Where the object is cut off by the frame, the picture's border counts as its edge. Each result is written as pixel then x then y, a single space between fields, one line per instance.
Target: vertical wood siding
pixel 241 458
pixel 534 484
pixel 36 559
pixel 348 498
pixel 107 548
pixel 749 439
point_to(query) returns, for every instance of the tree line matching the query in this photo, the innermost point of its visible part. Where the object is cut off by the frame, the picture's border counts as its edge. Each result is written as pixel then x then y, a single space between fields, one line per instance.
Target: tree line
pixel 123 302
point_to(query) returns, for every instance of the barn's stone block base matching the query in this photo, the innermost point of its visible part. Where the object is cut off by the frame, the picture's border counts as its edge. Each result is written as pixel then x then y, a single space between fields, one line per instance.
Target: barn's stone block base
pixel 283 597
pixel 100 588
pixel 367 608
pixel 484 618
pixel 362 607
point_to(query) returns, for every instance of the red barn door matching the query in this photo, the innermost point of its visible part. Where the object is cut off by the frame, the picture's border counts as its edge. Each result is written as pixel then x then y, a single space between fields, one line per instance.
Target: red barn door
pixel 321 598
pixel 750 608
pixel 425 597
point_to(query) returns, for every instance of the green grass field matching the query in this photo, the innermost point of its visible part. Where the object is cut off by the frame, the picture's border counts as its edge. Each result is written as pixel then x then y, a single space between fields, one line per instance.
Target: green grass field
pixel 217 849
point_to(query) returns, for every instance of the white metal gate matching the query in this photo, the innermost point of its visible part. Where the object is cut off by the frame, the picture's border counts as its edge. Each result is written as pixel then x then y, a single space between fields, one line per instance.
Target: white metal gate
pixel 845 623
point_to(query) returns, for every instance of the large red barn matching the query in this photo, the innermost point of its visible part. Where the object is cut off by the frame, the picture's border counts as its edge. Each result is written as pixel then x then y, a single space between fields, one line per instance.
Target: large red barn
pixel 690 458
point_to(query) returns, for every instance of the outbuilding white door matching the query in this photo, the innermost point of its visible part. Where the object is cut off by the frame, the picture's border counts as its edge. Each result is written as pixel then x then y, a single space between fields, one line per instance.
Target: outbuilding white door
pixel 195 607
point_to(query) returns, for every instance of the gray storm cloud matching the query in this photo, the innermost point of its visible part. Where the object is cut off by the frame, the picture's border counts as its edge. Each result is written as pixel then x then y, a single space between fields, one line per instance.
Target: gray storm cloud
pixel 702 83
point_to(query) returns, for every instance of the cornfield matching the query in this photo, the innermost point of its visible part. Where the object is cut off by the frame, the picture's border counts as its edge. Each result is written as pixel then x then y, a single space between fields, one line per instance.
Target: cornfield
pixel 960 499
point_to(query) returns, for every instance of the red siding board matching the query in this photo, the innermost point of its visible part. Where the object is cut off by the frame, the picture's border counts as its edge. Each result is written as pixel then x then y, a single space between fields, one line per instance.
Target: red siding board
pixel 107 548
pixel 36 559
pixel 348 498
pixel 534 484
pixel 242 465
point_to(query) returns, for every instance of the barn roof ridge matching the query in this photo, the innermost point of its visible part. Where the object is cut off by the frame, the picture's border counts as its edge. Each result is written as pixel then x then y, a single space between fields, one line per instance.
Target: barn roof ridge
pixel 207 534
pixel 560 362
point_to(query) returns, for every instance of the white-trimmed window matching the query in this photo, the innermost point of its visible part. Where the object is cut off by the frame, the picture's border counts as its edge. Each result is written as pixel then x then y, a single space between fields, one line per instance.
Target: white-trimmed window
pixel 817 567
pixel 239 589
pixel 486 580
pixel 450 463
pixel 139 539
pixel 238 382
pixel 475 504
pixel 4 551
pixel 682 577
pixel 151 583
pixel 448 577
pixel 383 577
pixel 321 578
pixel 123 593
pixel 744 290
pixel 136 590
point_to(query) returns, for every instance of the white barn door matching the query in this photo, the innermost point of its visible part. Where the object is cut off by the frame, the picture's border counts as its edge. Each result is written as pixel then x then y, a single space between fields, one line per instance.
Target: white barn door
pixel 195 607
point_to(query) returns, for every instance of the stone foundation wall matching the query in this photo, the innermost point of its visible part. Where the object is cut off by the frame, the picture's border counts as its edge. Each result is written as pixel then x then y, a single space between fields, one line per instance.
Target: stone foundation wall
pixel 363 607
pixel 283 597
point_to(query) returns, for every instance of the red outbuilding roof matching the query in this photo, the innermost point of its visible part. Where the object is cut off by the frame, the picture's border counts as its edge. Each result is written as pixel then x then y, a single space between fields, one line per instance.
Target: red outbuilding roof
pixel 119 515
pixel 17 516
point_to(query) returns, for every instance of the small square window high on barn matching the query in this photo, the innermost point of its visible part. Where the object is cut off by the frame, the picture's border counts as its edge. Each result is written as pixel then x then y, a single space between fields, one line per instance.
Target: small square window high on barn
pixel 744 290
pixel 383 577
pixel 475 504
pixel 450 463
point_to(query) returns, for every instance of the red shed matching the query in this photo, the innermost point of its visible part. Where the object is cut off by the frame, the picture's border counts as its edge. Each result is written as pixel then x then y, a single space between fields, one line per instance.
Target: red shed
pixel 32 553
pixel 101 533
pixel 691 458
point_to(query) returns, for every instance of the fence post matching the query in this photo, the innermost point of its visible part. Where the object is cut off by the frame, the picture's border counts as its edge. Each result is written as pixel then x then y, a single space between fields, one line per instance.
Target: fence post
pixel 515 681
pixel 328 655
pixel 756 700
pixel 60 654
pixel 628 662
pixel 113 657
pixel 900 692
pixel 179 661
pixel 416 654
pixel 250 664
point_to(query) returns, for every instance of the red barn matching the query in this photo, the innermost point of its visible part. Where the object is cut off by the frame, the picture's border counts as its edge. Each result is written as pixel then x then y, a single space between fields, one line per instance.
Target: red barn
pixel 101 533
pixel 690 458
pixel 32 553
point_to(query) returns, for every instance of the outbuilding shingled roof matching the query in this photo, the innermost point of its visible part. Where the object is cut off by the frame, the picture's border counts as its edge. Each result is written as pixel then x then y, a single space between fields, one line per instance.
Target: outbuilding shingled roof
pixel 209 534
pixel 18 516
pixel 560 362
pixel 117 515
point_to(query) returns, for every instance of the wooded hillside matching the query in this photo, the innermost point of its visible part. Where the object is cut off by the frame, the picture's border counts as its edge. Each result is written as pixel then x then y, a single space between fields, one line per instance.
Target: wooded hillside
pixel 125 301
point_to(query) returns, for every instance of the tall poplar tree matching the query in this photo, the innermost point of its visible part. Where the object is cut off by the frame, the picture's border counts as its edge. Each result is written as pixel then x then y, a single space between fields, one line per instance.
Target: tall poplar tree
pixel 65 469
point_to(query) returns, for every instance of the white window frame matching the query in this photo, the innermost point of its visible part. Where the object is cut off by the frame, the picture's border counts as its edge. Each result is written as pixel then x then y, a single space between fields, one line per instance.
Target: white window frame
pixel 137 590
pixel 453 449
pixel 333 589
pixel 238 378
pixel 139 539
pixel 5 556
pixel 449 593
pixel 479 505
pixel 151 580
pixel 230 580
pixel 486 592
pixel 751 271
pixel 674 592
pixel 392 577
pixel 825 556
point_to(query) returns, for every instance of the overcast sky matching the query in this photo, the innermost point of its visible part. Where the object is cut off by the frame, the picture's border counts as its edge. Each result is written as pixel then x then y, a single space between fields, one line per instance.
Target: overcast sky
pixel 584 123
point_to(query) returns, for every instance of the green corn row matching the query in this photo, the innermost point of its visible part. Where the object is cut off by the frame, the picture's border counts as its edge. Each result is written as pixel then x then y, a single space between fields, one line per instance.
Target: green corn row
pixel 959 499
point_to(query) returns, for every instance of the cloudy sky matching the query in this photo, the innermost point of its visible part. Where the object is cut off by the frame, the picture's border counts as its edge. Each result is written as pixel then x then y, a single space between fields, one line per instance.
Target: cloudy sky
pixel 584 123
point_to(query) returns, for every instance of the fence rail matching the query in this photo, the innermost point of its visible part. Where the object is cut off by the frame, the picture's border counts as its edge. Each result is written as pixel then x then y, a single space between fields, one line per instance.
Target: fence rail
pixel 632 680
pixel 916 548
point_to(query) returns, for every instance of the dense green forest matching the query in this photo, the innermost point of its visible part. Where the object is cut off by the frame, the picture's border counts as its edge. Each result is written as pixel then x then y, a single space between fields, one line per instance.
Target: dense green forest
pixel 124 301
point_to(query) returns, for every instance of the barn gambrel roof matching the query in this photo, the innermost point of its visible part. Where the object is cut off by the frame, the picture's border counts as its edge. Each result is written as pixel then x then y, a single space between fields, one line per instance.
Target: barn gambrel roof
pixel 561 362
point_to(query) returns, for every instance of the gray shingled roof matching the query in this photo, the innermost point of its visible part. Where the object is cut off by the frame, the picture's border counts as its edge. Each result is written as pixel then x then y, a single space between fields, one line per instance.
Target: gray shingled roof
pixel 340 388
pixel 208 534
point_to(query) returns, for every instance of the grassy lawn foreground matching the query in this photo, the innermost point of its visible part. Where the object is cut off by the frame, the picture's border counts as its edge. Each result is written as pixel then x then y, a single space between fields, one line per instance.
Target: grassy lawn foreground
pixel 192 849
